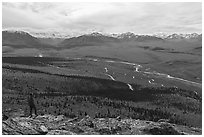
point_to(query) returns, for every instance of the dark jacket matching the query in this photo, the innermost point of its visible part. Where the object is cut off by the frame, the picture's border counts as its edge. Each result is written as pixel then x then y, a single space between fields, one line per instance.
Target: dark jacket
pixel 31 100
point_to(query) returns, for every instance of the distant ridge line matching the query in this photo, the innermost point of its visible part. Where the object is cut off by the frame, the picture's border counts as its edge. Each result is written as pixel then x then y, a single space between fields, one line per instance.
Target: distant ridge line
pixel 114 35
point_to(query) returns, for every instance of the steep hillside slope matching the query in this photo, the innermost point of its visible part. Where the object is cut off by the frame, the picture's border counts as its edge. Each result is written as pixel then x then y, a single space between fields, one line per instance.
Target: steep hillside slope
pixel 19 39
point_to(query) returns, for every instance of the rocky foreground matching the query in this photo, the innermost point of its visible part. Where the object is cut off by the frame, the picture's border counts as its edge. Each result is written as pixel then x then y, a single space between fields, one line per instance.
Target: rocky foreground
pixel 60 125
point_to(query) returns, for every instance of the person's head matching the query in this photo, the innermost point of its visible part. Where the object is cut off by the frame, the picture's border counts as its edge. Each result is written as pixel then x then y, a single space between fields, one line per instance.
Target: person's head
pixel 31 94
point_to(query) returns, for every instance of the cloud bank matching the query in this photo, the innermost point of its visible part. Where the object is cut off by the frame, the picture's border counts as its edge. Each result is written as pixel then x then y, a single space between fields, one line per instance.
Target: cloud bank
pixel 140 18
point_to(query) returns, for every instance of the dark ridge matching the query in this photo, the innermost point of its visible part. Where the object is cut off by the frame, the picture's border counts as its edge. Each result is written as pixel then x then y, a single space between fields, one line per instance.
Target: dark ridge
pixel 106 88
pixel 29 60
pixel 72 76
pixel 143 93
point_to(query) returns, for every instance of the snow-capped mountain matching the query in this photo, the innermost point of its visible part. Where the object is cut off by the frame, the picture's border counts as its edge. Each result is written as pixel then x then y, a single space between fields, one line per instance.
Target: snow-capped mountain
pixel 183 36
pixel 18 38
pixel 39 34
pixel 21 39
pixel 95 34
pixel 161 35
pixel 132 37
pixel 16 32
pixel 124 36
pixel 50 35
pixel 87 39
pixel 192 35
pixel 177 36
pixel 127 35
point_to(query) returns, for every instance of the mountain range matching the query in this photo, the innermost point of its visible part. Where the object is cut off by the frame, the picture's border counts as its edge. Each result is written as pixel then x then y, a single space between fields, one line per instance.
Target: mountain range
pixel 21 39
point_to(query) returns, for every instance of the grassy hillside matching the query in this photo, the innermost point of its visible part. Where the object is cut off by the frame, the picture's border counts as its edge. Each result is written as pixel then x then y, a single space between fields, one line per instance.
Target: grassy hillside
pixel 77 96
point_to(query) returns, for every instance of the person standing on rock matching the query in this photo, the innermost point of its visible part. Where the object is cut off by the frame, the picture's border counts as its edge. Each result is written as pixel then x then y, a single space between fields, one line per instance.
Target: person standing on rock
pixel 31 105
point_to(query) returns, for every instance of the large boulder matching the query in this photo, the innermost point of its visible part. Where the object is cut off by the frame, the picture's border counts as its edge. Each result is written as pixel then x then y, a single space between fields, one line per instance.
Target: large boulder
pixel 161 128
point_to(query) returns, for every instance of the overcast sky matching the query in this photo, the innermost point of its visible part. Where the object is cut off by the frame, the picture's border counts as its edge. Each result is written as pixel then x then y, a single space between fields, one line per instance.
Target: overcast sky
pixel 140 18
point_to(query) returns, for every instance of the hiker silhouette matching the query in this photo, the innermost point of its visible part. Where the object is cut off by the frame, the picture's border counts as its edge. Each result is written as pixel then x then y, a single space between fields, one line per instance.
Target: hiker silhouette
pixel 31 104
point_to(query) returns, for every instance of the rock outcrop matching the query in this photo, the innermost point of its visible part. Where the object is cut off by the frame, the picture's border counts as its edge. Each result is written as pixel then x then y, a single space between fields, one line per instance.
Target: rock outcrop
pixel 61 125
